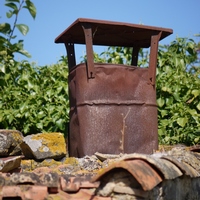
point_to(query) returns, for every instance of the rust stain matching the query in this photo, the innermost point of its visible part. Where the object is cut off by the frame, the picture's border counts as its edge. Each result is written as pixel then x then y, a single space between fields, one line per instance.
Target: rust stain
pixel 123 130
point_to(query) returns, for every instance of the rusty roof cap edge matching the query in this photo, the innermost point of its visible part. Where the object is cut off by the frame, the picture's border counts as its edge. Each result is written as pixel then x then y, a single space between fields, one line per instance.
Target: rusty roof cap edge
pixel 102 23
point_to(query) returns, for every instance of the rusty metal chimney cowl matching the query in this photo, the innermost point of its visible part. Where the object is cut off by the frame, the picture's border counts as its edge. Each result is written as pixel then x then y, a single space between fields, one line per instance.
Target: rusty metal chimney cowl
pixel 112 106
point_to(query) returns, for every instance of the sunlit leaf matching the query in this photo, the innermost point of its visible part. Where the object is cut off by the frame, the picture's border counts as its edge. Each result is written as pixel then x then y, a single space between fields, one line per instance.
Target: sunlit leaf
pixel 25 53
pixel 26 128
pixel 3 68
pixel 160 102
pixel 198 106
pixel 176 96
pixel 193 111
pixel 10 118
pixel 41 114
pixel 59 124
pixel 182 121
pixel 31 8
pixel 167 138
pixel 196 93
pixel 197 139
pixel 169 101
pixel 23 28
pixel 39 126
pixel 164 112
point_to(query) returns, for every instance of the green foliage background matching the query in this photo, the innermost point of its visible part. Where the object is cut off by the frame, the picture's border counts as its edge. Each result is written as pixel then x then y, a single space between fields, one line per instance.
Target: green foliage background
pixel 35 98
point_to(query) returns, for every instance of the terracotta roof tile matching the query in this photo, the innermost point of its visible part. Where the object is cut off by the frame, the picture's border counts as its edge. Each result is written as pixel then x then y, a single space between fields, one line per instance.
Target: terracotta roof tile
pixel 164 167
pixel 25 192
pixel 139 169
pixel 134 175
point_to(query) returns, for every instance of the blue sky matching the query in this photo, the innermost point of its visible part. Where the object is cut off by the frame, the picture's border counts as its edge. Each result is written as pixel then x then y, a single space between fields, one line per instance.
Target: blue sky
pixel 53 17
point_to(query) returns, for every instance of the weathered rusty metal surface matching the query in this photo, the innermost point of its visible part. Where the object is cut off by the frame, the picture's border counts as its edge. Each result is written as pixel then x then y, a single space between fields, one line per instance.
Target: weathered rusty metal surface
pixel 145 175
pixel 114 113
pixel 112 107
pixel 111 33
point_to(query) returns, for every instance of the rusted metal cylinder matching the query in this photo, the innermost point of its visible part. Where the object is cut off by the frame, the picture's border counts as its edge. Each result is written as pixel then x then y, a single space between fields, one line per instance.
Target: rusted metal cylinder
pixel 112 107
pixel 114 113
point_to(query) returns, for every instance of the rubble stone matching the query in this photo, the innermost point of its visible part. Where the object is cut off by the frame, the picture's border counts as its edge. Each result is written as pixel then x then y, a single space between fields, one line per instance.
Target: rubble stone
pixel 90 163
pixel 10 141
pixel 44 145
pixel 9 163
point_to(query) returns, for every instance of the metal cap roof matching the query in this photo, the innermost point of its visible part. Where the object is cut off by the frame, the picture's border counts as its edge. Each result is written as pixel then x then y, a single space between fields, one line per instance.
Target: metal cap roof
pixel 109 33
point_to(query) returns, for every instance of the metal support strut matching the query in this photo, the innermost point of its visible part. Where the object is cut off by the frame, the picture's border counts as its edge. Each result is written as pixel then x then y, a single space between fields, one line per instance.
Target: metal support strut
pixel 89 50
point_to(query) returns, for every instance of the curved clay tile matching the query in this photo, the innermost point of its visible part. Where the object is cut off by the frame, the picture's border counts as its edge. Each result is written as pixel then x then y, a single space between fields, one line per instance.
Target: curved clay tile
pixel 184 167
pixel 145 175
pixel 164 167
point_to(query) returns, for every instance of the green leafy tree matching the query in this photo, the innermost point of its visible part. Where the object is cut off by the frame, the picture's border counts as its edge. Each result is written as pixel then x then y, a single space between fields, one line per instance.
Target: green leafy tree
pixel 43 103
pixel 8 65
pixel 33 99
pixel 7 48
pixel 178 94
pixel 121 55
pixel 10 69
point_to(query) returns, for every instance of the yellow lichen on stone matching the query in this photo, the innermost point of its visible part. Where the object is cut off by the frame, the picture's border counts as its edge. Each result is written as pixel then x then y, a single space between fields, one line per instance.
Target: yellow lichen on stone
pixel 83 172
pixel 71 160
pixel 29 165
pixel 50 163
pixel 54 141
pixel 17 136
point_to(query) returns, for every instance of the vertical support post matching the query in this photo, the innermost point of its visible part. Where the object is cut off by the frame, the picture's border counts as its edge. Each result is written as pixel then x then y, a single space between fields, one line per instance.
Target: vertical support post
pixel 153 58
pixel 70 54
pixel 134 60
pixel 89 50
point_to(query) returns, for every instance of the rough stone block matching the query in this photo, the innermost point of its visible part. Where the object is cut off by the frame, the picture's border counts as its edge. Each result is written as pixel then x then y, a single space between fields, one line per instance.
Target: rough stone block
pixel 10 141
pixel 44 145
